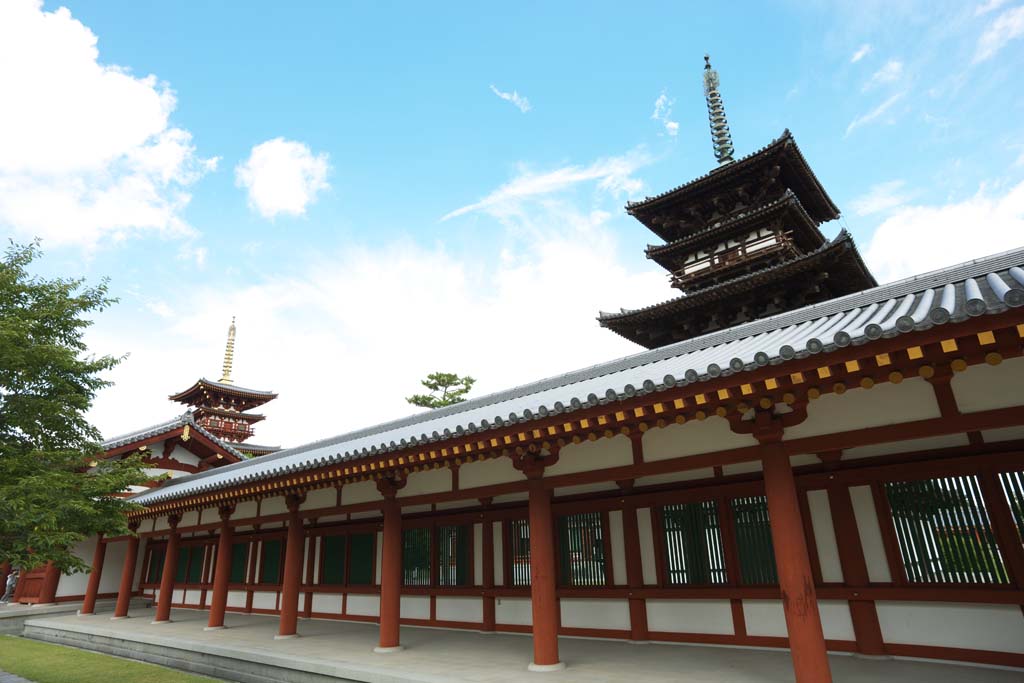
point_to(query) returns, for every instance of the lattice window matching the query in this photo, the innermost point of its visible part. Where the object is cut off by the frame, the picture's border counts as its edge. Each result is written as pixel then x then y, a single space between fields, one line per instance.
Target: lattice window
pixel 190 564
pixel 156 564
pixel 519 552
pixel 754 540
pixel 1013 487
pixel 362 559
pixel 273 556
pixel 693 543
pixel 944 531
pixel 332 552
pixel 239 559
pixel 416 557
pixel 581 550
pixel 453 555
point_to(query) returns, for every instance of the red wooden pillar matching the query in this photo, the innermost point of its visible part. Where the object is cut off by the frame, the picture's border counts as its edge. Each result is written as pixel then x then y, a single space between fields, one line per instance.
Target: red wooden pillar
pixel 221 570
pixel 863 613
pixel 391 568
pixel 799 600
pixel 634 573
pixel 95 573
pixel 163 605
pixel 293 554
pixel 487 567
pixel 124 593
pixel 48 591
pixel 542 576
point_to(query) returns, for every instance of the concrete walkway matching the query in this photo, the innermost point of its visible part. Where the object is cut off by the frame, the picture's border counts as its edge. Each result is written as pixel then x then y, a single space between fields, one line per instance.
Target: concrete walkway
pixel 11 678
pixel 332 650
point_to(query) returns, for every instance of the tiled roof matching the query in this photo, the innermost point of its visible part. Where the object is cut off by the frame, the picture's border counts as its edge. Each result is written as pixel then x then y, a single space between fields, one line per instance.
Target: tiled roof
pixel 227 388
pixel 984 286
pixel 163 428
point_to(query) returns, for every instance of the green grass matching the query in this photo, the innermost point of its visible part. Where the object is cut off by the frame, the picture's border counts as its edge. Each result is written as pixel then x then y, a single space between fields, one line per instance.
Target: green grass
pixel 46 663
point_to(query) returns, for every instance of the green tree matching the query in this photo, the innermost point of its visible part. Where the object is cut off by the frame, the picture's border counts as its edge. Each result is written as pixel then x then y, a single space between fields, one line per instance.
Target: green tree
pixel 54 490
pixel 446 388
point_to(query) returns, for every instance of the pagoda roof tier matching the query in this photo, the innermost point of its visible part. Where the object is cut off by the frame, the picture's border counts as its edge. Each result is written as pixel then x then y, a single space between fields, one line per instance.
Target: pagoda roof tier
pixel 734 301
pixel 171 428
pixel 203 389
pixel 946 297
pixel 794 173
pixel 805 230
pixel 247 417
pixel 254 449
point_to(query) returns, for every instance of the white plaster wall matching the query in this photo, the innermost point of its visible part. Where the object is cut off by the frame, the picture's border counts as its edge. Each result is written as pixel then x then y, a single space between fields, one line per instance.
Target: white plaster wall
pixel 139 561
pixel 264 600
pixel 987 387
pixel 885 404
pixel 245 509
pixel 824 536
pixel 609 614
pixel 488 473
pixel 181 455
pixel 593 455
pixel 478 554
pixel 1004 434
pixel 189 518
pixel 113 565
pixel 380 555
pixel 686 475
pixel 76 583
pixel 430 481
pixel 510 498
pixel 643 517
pixel 236 598
pixel 160 523
pixel 585 488
pixel 618 543
pixel 364 605
pixel 690 616
pixel 909 446
pixel 454 504
pixel 804 459
pixel 360 492
pixel 499 555
pixel 742 467
pixel 320 498
pixel 415 606
pixel 273 506
pixel 178 596
pixel 327 603
pixel 367 514
pixel 836 621
pixel 972 626
pixel 870 534
pixel 764 618
pixel 305 558
pixel 515 611
pixel 692 438
pixel 416 509
pixel 469 609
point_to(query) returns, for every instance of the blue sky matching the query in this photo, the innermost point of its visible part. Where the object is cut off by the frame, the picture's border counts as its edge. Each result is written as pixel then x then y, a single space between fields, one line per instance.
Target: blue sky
pixel 348 179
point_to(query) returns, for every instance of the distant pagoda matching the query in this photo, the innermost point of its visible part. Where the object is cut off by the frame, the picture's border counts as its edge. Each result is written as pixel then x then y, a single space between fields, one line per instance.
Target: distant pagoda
pixel 741 242
pixel 220 407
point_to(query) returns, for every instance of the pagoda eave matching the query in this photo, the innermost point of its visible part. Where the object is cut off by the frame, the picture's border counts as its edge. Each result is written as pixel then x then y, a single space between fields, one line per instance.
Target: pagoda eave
pixel 204 388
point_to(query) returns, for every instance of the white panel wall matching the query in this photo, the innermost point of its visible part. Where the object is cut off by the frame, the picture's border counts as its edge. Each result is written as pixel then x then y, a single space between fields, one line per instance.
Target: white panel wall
pixel 764 618
pixel 692 438
pixel 273 506
pixel 836 621
pixel 245 509
pixel 415 606
pixel 608 614
pixel 987 387
pixel 326 603
pixel 75 584
pixel 885 404
pixel 499 555
pixel 643 516
pixel 364 605
pixel 870 534
pixel 686 475
pixel 264 600
pixel 593 455
pixel 237 598
pixel 488 473
pixel 478 554
pixel 469 609
pixel 909 446
pixel 618 547
pixel 360 492
pixel 430 481
pixel 824 536
pixel 515 611
pixel 690 616
pixel 178 596
pixel 320 498
pixel 113 565
pixel 976 627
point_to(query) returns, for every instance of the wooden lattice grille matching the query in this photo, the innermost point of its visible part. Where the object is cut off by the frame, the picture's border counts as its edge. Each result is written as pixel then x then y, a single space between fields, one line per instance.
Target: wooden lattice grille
pixel 693 543
pixel 453 555
pixel 519 551
pixel 416 557
pixel 754 540
pixel 581 550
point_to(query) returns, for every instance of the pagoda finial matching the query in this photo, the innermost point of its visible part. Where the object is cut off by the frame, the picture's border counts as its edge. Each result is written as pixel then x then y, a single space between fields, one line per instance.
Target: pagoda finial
pixel 720 137
pixel 229 354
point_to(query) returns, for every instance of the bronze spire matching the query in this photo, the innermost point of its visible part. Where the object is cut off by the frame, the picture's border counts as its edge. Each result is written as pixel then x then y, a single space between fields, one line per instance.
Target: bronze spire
pixel 720 137
pixel 229 354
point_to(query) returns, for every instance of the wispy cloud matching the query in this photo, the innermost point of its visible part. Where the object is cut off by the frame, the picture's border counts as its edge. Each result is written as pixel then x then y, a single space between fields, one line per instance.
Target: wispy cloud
pixel 881 197
pixel 891 72
pixel 861 53
pixel 986 7
pixel 663 113
pixel 874 114
pixel 613 175
pixel 1006 27
pixel 282 177
pixel 520 102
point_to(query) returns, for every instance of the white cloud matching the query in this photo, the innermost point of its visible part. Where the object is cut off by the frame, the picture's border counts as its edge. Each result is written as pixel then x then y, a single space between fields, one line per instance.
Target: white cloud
pixel 1006 27
pixel 874 114
pixel 346 337
pixel 521 103
pixel 915 239
pixel 282 177
pixel 989 6
pixel 861 53
pixel 891 72
pixel 663 113
pixel 613 175
pixel 881 197
pixel 87 152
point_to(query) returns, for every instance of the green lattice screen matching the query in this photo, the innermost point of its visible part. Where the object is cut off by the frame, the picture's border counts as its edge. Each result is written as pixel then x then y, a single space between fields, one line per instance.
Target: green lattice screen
pixel 239 560
pixel 416 557
pixel 519 549
pixel 754 540
pixel 453 555
pixel 270 571
pixel 581 550
pixel 1013 487
pixel 944 531
pixel 362 559
pixel 333 550
pixel 693 543
pixel 156 564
